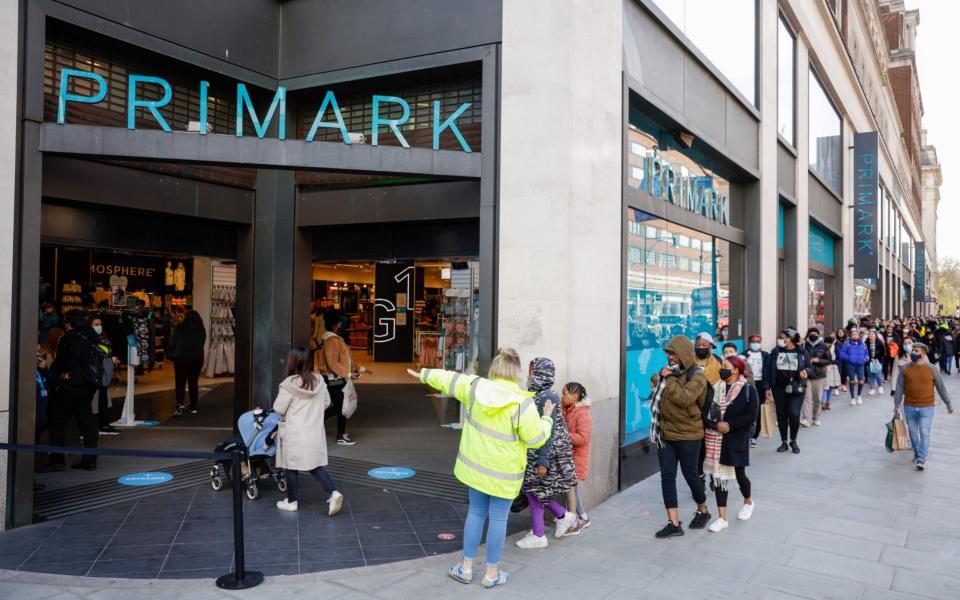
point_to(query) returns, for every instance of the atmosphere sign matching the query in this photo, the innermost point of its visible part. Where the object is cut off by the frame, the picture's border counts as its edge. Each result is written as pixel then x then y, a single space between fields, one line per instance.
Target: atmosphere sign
pixel 866 185
pixel 278 107
pixel 920 272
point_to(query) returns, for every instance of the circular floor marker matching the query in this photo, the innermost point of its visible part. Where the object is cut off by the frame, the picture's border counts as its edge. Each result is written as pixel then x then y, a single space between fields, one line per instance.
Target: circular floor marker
pixel 148 478
pixel 446 537
pixel 391 473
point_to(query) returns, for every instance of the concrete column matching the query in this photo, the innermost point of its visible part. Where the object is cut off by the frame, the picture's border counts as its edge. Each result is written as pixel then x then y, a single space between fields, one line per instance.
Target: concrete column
pixel 797 301
pixel 844 270
pixel 560 211
pixel 272 281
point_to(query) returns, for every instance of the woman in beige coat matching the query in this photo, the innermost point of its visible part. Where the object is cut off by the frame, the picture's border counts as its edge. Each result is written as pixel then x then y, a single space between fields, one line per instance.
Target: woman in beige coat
pixel 302 440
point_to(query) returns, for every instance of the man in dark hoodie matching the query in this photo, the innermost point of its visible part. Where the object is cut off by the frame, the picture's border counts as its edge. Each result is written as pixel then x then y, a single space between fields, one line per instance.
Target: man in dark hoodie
pixel 677 431
pixel 74 390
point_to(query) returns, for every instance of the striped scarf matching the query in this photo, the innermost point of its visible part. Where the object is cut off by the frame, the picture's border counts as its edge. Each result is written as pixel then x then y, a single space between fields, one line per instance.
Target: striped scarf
pixel 656 416
pixel 713 439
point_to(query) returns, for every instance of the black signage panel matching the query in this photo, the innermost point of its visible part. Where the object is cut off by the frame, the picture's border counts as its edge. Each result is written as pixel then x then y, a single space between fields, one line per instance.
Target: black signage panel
pixel 393 311
pixel 866 184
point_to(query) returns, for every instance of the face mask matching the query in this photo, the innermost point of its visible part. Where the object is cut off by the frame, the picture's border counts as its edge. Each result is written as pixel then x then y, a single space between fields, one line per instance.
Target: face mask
pixel 907 348
pixel 98 329
pixel 703 352
pixel 755 346
pixel 782 343
pixel 915 357
pixel 725 374
pixel 813 339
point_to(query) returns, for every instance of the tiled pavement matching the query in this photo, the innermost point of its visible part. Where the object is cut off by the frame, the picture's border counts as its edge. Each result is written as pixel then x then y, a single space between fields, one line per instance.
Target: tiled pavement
pixel 189 534
pixel 844 520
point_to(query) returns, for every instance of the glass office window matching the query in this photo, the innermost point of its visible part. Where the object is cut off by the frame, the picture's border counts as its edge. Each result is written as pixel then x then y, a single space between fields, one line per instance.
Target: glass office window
pixel 785 81
pixel 665 298
pixel 825 136
pixel 725 32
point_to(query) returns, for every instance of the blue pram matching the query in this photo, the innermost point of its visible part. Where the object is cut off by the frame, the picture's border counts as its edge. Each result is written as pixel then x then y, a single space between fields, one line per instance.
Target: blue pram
pixel 257 441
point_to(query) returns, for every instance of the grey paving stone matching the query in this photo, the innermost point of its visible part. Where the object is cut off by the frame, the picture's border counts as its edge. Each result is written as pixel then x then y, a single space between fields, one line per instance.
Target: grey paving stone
pixel 680 582
pixel 837 544
pixel 719 566
pixel 105 568
pixel 919 560
pixel 805 584
pixel 135 552
pixel 864 531
pixel 943 545
pixel 388 539
pixel 865 571
pixel 337 541
pixel 335 565
pixel 926 584
pixel 393 552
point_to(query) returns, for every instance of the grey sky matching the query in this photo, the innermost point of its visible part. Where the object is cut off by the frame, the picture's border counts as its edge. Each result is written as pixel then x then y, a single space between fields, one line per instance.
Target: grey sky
pixel 936 63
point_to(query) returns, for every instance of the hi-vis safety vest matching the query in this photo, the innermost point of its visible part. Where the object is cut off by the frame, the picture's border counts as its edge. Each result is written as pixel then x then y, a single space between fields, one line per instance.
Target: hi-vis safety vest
pixel 501 423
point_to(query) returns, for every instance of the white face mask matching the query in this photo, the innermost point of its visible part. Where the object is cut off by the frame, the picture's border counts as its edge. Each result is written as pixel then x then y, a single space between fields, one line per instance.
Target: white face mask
pixel 98 329
pixel 907 348
pixel 782 343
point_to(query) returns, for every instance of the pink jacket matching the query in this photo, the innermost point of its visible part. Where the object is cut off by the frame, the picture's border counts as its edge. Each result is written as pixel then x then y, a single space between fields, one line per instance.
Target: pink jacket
pixel 580 427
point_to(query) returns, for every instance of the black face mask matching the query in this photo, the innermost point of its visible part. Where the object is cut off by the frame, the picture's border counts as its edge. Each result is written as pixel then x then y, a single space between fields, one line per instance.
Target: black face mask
pixel 702 352
pixel 725 374
pixel 813 339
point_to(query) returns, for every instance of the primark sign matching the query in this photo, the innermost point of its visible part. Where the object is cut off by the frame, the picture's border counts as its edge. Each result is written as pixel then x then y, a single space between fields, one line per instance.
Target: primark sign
pixel 328 114
pixel 674 183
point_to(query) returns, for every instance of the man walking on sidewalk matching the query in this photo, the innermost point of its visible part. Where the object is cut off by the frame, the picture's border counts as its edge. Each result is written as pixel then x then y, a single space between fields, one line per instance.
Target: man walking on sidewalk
pixel 916 385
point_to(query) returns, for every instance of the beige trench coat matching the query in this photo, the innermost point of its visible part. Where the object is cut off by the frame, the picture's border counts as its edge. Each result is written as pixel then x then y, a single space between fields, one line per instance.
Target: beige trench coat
pixel 302 439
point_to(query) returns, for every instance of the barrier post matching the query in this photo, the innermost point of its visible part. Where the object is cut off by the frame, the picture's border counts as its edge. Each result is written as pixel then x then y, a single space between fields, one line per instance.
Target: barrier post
pixel 240 579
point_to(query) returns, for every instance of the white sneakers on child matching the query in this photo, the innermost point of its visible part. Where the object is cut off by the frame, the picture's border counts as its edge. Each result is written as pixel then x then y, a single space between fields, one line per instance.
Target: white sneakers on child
pixel 718 525
pixel 746 512
pixel 336 502
pixel 881 390
pixel 859 399
pixel 569 521
pixel 853 401
pixel 533 542
pixel 287 505
pixel 872 393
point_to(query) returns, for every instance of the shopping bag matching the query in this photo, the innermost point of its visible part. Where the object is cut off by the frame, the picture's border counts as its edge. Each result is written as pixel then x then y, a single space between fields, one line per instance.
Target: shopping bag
pixel 833 377
pixel 768 419
pixel 349 399
pixel 901 439
pixel 875 366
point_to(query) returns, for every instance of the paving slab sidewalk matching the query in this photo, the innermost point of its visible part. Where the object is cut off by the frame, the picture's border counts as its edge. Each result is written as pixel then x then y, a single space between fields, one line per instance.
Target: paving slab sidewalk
pixel 844 520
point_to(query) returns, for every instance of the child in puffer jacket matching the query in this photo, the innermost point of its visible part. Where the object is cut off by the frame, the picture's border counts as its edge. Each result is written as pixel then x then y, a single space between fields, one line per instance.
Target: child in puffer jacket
pixel 576 413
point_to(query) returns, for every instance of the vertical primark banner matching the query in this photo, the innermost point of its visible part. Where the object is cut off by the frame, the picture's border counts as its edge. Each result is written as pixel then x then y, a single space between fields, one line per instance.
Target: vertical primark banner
pixel 920 272
pixel 866 180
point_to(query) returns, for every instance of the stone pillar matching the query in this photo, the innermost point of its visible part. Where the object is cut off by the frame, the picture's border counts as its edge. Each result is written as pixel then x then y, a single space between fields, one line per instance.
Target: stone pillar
pixel 561 221
pixel 797 286
pixel 272 281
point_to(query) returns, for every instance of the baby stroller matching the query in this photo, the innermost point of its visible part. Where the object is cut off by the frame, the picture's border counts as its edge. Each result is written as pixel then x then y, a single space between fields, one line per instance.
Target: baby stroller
pixel 257 442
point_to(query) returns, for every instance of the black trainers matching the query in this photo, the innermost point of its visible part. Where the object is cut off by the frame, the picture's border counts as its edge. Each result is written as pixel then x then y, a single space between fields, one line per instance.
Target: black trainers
pixel 179 412
pixel 783 447
pixel 344 440
pixel 753 443
pixel 109 430
pixel 795 447
pixel 194 411
pixel 669 531
pixel 700 520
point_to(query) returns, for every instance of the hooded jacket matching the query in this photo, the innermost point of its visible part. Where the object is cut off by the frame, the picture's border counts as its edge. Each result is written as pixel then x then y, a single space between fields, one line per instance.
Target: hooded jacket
pixel 580 427
pixel 819 355
pixel 302 439
pixel 501 424
pixel 68 370
pixel 684 395
pixel 855 353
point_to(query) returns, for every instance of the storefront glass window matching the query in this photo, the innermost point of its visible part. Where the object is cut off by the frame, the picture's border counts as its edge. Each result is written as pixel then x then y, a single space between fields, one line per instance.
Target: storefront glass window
pixel 825 136
pixel 785 81
pixel 819 300
pixel 862 297
pixel 705 22
pixel 690 289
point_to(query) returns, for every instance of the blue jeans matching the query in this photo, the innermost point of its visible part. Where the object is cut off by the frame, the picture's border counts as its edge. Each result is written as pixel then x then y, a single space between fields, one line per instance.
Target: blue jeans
pixel 876 380
pixel 855 373
pixel 919 422
pixel 483 506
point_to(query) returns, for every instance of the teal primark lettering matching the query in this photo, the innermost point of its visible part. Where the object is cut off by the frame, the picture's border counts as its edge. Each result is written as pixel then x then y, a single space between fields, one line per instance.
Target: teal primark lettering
pixel 384 109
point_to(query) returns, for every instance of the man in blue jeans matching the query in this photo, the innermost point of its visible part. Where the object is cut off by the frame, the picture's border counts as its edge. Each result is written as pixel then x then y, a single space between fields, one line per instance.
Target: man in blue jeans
pixel 917 385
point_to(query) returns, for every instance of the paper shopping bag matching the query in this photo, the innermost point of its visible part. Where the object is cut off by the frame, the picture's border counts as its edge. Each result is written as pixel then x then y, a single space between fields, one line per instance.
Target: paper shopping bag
pixel 901 439
pixel 768 419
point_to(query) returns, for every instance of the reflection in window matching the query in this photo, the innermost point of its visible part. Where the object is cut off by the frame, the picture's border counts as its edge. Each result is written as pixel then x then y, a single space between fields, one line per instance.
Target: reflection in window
pixel 825 136
pixel 785 81
pixel 725 32
pixel 673 289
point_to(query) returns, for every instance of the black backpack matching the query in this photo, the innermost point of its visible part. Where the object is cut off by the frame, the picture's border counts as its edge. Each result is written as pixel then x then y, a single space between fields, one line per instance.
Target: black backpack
pixel 93 371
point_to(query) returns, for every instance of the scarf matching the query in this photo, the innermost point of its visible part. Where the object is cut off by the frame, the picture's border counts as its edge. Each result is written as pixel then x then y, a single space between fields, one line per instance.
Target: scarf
pixel 656 416
pixel 713 439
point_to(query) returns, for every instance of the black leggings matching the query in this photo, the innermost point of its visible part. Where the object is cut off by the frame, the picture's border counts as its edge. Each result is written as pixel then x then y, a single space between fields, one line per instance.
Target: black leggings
pixel 687 453
pixel 336 407
pixel 742 481
pixel 320 474
pixel 788 412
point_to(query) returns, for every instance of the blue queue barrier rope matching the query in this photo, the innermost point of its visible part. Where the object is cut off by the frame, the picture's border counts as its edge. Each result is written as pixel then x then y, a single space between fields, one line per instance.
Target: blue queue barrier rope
pixel 240 578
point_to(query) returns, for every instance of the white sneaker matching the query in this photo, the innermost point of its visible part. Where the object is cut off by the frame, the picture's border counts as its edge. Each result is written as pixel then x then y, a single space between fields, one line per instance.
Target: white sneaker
pixel 564 525
pixel 531 541
pixel 718 525
pixel 804 423
pixel 872 393
pixel 853 401
pixel 335 501
pixel 860 400
pixel 881 390
pixel 287 506
pixel 746 512
pixel 817 423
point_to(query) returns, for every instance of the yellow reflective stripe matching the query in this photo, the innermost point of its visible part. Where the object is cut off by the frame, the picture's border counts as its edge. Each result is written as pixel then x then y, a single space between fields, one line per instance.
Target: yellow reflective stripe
pixel 537 439
pixel 473 392
pixel 506 437
pixel 453 385
pixel 523 407
pixel 489 472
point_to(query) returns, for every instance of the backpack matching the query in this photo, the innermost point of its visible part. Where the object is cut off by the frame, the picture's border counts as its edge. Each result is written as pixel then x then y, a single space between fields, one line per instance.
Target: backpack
pixel 698 369
pixel 93 372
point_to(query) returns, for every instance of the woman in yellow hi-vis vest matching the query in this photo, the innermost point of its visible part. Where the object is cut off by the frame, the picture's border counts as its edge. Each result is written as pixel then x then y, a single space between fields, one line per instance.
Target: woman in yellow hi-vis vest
pixel 501 423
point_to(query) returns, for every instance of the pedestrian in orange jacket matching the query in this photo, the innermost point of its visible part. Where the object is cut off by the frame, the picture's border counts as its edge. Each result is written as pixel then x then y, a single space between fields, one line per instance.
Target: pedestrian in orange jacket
pixel 576 413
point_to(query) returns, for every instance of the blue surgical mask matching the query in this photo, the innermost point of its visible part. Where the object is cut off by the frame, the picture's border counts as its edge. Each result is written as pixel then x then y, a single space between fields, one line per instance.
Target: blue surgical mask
pixel 915 357
pixel 755 346
pixel 907 348
pixel 98 329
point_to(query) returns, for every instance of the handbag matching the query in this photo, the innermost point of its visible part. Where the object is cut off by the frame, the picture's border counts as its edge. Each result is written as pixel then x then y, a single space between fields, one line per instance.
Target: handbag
pixel 875 367
pixel 349 399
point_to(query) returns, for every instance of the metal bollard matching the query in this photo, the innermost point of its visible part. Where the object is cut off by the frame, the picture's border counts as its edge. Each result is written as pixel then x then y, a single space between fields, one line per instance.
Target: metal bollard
pixel 240 579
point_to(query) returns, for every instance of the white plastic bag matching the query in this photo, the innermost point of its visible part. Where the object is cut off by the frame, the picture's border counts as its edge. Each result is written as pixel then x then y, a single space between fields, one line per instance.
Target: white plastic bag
pixel 349 399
